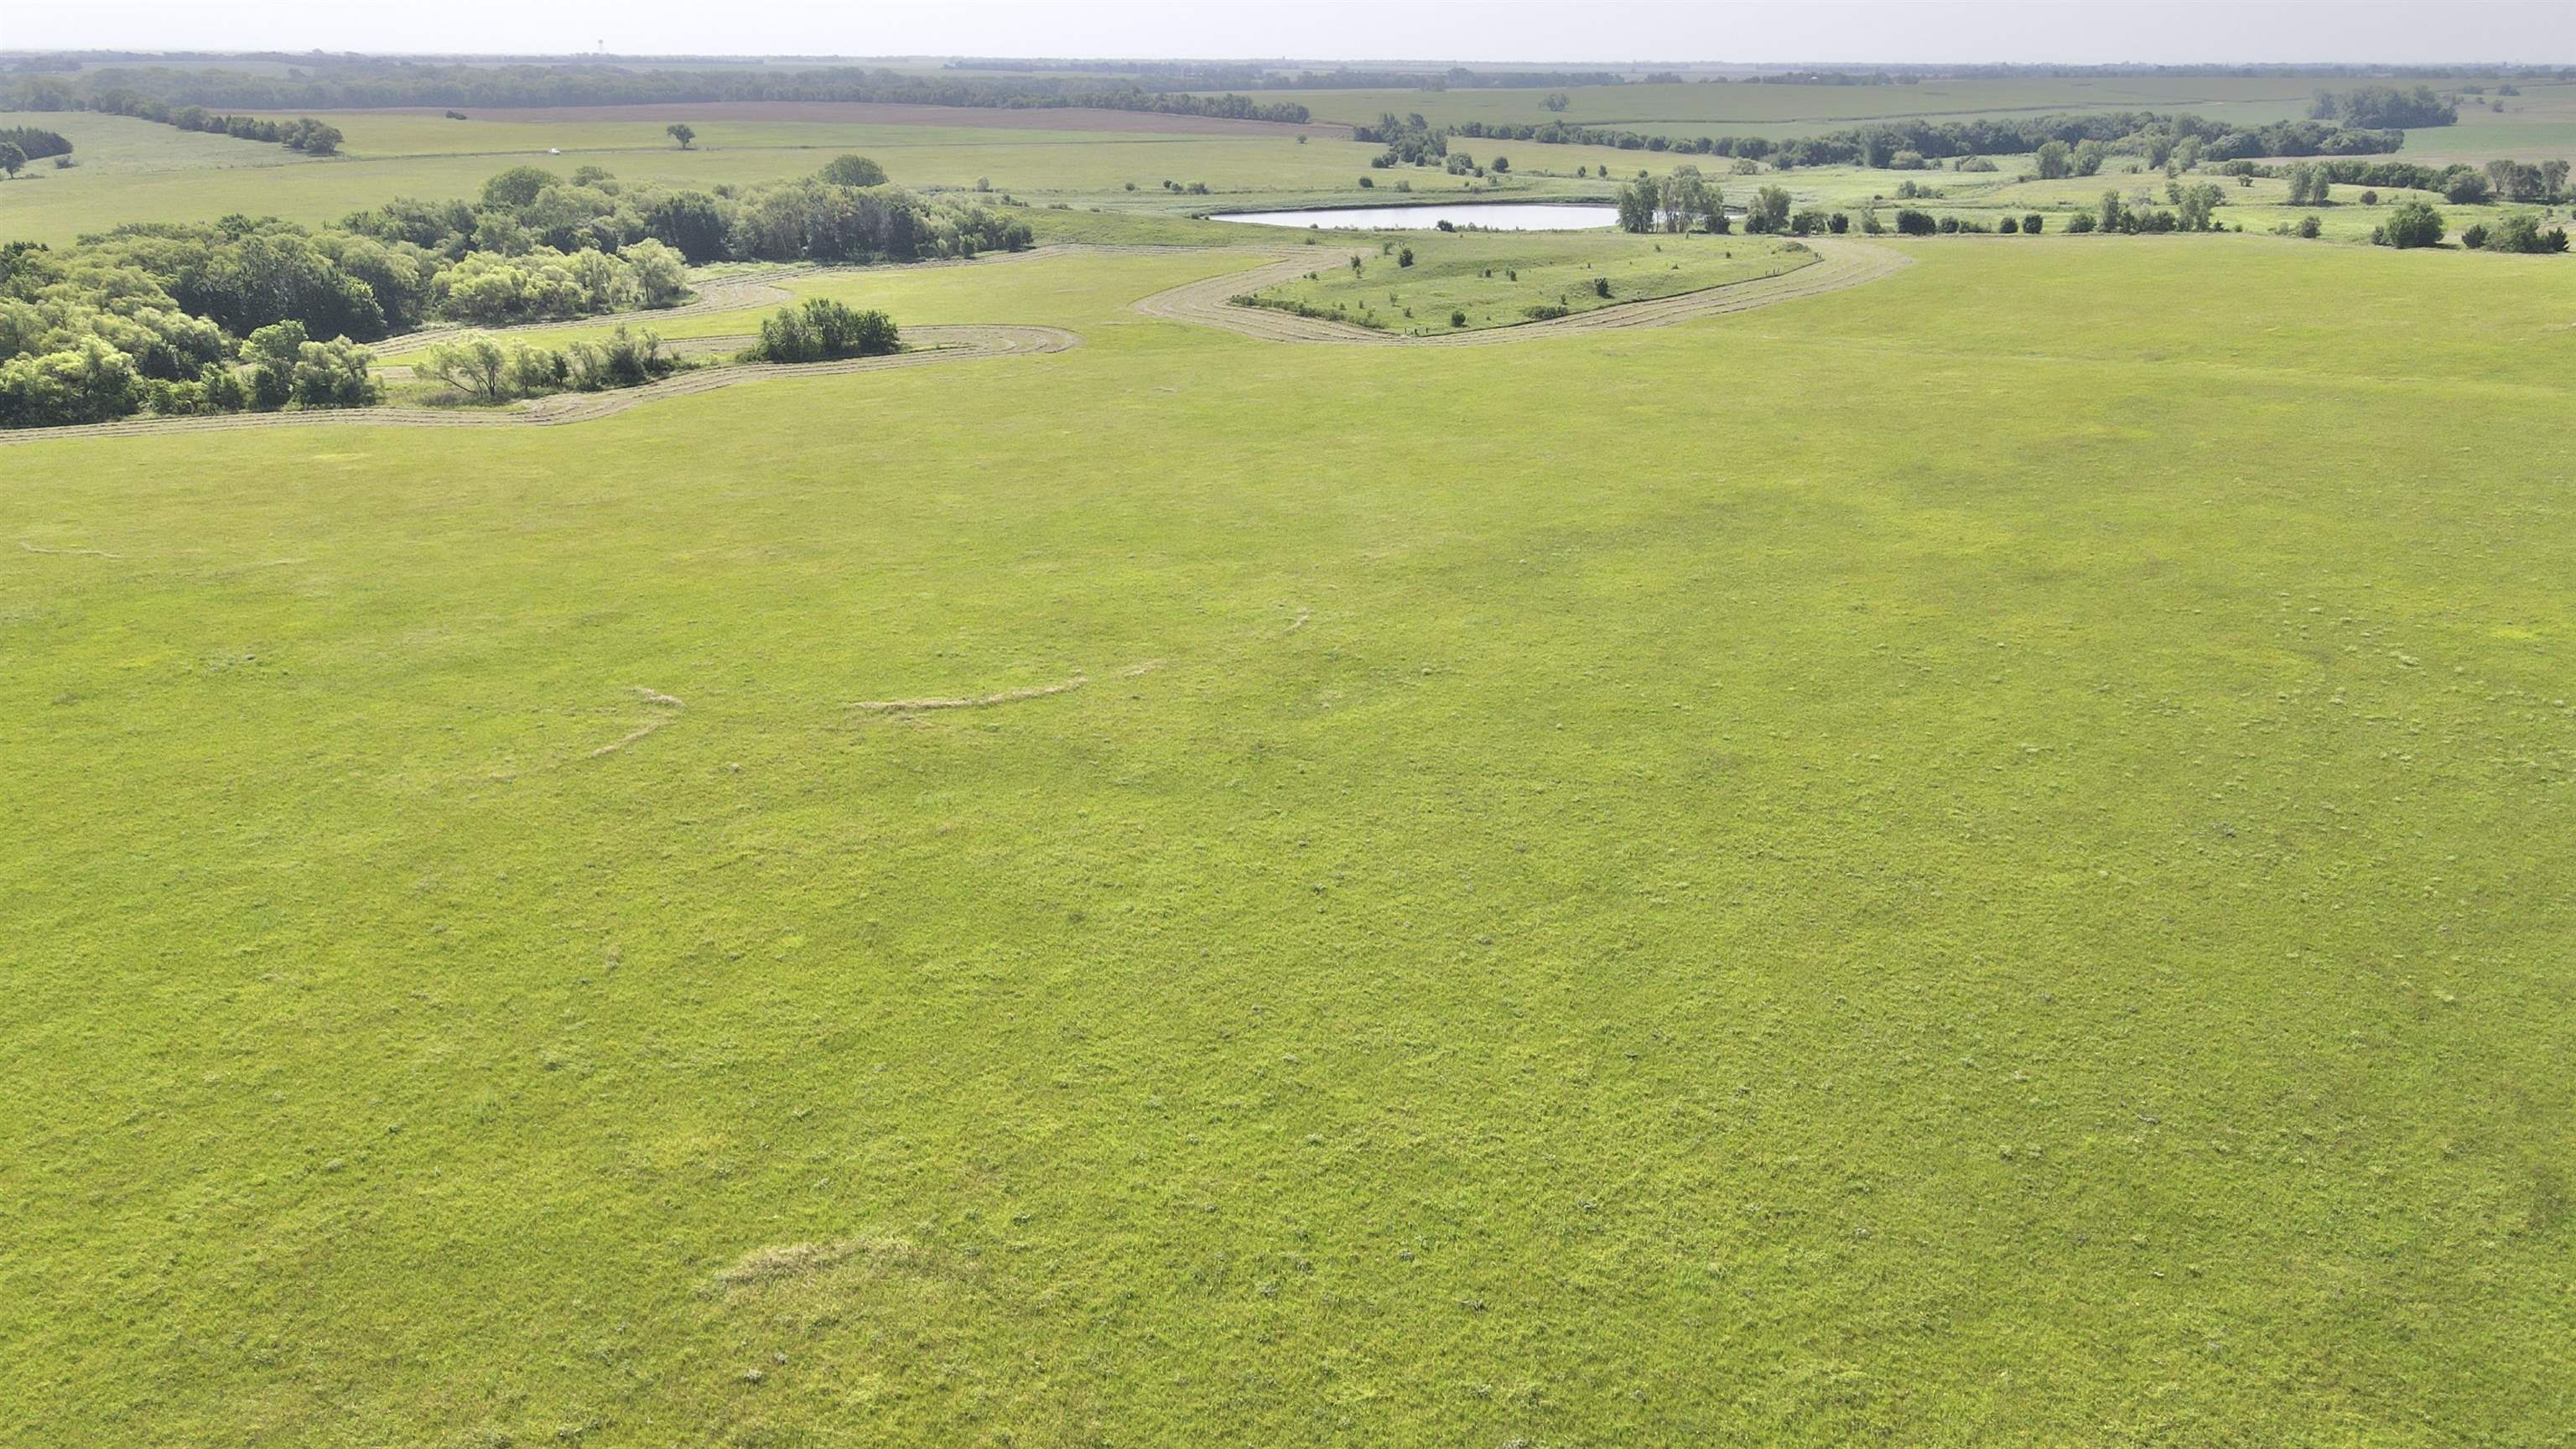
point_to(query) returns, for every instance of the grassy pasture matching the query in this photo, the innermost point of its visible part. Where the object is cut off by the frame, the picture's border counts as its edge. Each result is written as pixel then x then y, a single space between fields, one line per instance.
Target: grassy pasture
pixel 1972 860
pixel 1494 277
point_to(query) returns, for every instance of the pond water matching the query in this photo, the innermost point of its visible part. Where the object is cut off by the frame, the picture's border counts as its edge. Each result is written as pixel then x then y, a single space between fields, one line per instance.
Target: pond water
pixel 1493 215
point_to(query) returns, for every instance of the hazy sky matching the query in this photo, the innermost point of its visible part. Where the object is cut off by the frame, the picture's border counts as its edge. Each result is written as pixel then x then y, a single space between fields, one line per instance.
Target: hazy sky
pixel 1550 30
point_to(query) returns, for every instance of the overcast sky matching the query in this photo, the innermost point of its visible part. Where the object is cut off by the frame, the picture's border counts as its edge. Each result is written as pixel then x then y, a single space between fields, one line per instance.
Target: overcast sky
pixel 1551 30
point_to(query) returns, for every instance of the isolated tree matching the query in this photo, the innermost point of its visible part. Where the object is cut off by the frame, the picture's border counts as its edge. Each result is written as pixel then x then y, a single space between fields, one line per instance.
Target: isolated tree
pixel 2111 211
pixel 12 159
pixel 2030 224
pixel 853 171
pixel 1557 101
pixel 2055 161
pixel 682 132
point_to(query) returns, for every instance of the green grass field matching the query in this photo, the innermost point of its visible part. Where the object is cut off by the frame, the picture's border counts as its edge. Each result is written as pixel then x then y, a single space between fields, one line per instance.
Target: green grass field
pixel 1493 278
pixel 1974 860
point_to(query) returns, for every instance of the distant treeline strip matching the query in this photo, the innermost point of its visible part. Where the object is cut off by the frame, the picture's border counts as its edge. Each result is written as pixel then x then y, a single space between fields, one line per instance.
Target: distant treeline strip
pixel 305 134
pixel 1876 144
pixel 130 91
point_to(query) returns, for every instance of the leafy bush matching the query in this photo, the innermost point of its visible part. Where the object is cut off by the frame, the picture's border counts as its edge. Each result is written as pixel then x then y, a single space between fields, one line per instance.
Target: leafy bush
pixel 2415 224
pixel 1910 222
pixel 2521 233
pixel 820 330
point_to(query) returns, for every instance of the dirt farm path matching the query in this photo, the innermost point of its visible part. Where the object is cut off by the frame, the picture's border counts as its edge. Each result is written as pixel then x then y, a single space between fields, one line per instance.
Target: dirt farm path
pixel 1838 265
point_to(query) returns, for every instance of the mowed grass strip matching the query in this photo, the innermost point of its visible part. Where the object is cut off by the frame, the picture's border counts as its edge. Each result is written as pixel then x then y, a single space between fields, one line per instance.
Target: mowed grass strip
pixel 1968 860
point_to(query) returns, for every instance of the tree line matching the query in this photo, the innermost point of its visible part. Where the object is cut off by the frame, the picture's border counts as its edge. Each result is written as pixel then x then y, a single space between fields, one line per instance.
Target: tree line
pixel 378 82
pixel 305 134
pixel 159 315
pixel 2461 184
pixel 2375 106
pixel 1888 143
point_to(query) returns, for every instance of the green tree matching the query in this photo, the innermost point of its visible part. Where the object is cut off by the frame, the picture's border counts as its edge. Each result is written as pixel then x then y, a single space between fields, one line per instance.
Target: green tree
pixel 1639 202
pixel 660 279
pixel 853 171
pixel 691 221
pixel 473 364
pixel 2415 224
pixel 272 353
pixel 12 159
pixel 682 132
pixel 2056 161
pixel 517 187
pixel 1768 212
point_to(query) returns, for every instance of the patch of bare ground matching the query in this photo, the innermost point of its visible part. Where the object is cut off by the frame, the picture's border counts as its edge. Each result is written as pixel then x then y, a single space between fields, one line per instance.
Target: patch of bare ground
pixel 1208 302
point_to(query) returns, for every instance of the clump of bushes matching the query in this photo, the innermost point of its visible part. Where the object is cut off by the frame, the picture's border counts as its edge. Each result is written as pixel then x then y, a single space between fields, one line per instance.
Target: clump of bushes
pixel 821 330
pixel 487 371
pixel 2415 224
pixel 2517 233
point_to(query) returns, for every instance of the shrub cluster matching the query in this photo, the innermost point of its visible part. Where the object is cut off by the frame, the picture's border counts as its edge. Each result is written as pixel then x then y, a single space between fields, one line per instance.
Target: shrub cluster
pixel 821 330
pixel 487 370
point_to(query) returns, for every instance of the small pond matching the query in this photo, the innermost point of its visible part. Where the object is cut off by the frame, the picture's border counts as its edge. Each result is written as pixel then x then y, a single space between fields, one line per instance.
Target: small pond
pixel 1492 215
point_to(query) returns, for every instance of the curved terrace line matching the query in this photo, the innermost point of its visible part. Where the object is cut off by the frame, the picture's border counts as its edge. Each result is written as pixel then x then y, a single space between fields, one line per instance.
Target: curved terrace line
pixel 1839 265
